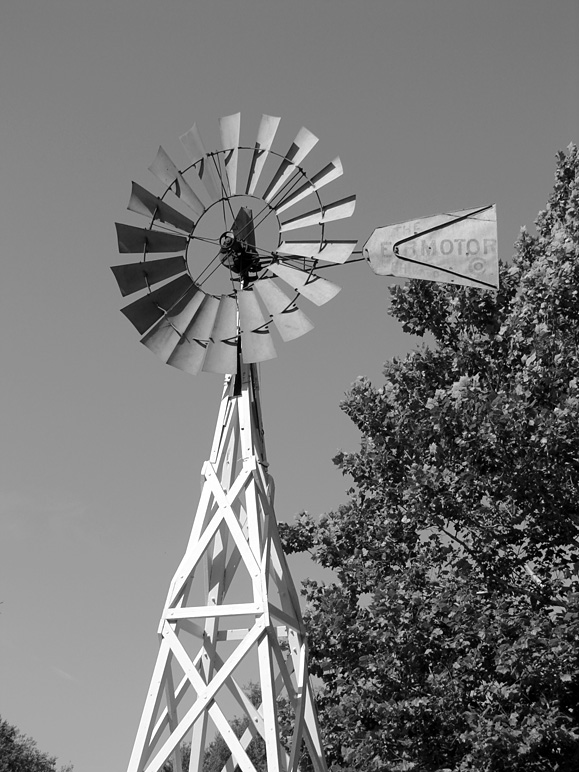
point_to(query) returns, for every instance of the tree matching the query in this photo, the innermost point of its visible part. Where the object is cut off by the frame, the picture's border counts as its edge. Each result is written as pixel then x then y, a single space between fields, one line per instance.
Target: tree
pixel 217 752
pixel 448 641
pixel 18 753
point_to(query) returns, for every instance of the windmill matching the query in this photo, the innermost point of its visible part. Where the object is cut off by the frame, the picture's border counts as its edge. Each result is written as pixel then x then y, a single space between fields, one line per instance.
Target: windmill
pixel 232 610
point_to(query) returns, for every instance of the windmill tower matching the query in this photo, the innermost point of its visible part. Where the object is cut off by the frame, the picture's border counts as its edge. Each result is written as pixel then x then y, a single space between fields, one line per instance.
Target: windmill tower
pixel 232 612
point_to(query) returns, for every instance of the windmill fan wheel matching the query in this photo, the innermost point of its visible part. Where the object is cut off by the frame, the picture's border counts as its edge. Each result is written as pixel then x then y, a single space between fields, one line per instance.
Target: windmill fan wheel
pixel 180 320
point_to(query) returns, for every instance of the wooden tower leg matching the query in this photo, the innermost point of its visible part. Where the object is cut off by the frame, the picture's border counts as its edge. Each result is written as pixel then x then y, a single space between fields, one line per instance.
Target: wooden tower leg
pixel 232 615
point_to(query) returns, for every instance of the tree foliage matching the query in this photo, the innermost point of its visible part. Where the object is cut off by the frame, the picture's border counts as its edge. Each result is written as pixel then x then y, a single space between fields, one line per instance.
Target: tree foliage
pixel 448 641
pixel 217 752
pixel 18 753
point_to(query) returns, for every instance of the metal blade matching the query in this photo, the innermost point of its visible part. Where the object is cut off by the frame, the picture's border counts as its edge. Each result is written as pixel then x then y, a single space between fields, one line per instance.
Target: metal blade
pixel 147 204
pixel 166 171
pixel 257 346
pixel 221 354
pixel 143 240
pixel 330 172
pixel 256 342
pixel 137 276
pixel 250 314
pixel 299 149
pixel 145 311
pixel 265 136
pixel 230 126
pixel 225 327
pixel 336 211
pixel 202 324
pixel 204 168
pixel 331 251
pixel 312 287
pixel 164 336
pixel 454 247
pixel 289 320
pixel 189 353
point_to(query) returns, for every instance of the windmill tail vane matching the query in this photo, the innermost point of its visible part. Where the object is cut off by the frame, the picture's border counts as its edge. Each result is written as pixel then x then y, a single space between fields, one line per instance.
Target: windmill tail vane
pixel 232 613
pixel 455 248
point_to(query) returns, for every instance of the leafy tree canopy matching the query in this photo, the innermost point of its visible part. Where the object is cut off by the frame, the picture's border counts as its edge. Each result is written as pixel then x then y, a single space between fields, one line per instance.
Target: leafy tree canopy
pixel 18 753
pixel 448 641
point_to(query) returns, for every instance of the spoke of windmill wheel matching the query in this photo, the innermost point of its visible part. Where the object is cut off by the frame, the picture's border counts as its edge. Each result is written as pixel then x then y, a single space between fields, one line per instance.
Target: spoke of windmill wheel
pixel 288 319
pixel 195 150
pixel 312 287
pixel 133 277
pixel 132 240
pixel 330 172
pixel 230 127
pixel 149 205
pixel 299 149
pixel 288 186
pixel 215 159
pixel 336 211
pixel 221 354
pixel 163 337
pixel 145 311
pixel 166 171
pixel 205 274
pixel 267 210
pixel 256 342
pixel 265 135
pixel 330 251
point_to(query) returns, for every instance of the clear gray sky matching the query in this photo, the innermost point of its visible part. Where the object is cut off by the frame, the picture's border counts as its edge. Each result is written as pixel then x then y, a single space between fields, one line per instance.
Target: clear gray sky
pixel 433 105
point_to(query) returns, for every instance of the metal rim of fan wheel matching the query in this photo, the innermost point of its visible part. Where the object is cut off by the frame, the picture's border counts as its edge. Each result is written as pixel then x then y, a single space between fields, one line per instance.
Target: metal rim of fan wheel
pixel 189 327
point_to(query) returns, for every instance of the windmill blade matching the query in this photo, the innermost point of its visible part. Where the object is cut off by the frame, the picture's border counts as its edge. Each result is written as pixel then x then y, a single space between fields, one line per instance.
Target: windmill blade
pixel 164 336
pixel 455 247
pixel 138 276
pixel 145 311
pixel 250 314
pixel 221 354
pixel 144 240
pixel 265 136
pixel 257 346
pixel 288 319
pixel 330 251
pixel 336 211
pixel 312 287
pixel 195 150
pixel 256 342
pixel 299 149
pixel 149 205
pixel 166 171
pixel 330 172
pixel 189 353
pixel 230 127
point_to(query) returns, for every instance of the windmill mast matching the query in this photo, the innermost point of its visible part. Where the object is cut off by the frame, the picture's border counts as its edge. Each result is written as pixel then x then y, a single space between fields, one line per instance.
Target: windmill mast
pixel 207 644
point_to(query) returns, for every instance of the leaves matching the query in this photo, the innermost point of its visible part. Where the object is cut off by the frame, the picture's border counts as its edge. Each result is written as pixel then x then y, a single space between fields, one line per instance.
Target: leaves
pixel 460 533
pixel 18 753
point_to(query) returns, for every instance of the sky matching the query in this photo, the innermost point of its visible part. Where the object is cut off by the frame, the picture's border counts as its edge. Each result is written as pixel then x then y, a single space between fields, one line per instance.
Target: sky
pixel 432 105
